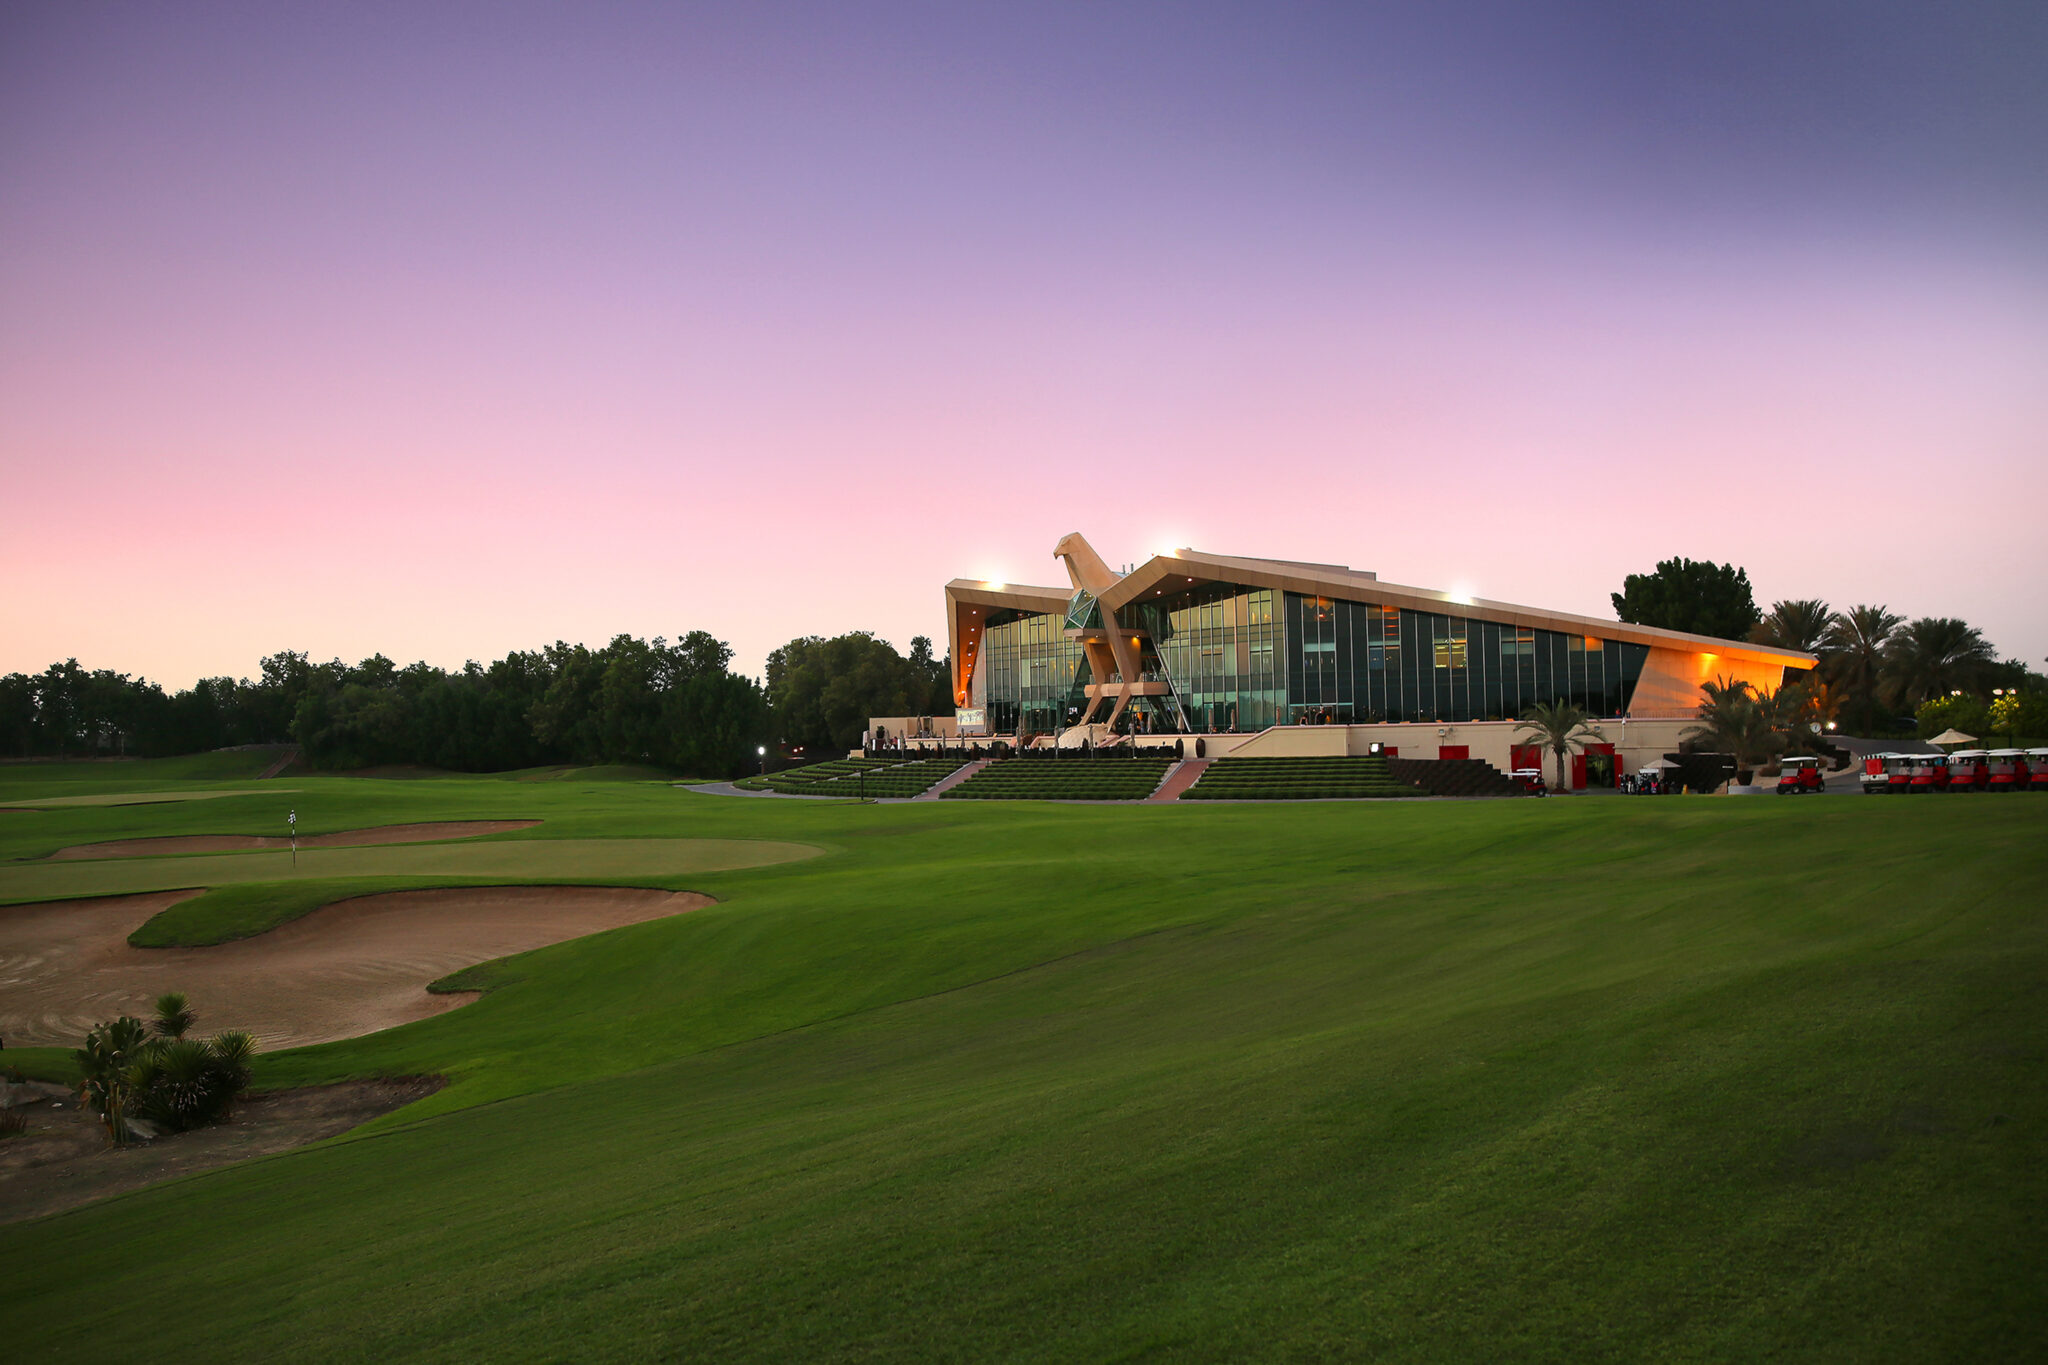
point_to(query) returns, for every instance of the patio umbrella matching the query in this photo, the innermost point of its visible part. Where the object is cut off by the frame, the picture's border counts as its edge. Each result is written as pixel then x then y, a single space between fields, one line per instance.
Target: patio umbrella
pixel 1952 736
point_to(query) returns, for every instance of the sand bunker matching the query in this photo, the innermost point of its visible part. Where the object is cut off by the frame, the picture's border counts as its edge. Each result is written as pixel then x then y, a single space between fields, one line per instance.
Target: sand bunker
pixel 346 969
pixel 348 838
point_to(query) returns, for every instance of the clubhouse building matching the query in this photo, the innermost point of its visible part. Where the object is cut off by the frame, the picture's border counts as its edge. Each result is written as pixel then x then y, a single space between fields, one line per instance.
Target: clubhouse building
pixel 1272 658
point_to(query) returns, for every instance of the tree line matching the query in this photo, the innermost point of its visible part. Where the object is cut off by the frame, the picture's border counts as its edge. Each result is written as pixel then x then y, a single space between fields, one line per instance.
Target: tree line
pixel 1876 666
pixel 676 705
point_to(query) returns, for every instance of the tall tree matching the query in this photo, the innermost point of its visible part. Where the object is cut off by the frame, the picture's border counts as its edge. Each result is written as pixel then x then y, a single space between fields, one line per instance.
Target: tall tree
pixel 1854 653
pixel 824 691
pixel 1936 654
pixel 1802 625
pixel 1698 597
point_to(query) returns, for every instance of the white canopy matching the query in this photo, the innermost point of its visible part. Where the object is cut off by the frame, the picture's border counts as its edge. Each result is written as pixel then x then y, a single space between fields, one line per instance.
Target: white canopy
pixel 1952 736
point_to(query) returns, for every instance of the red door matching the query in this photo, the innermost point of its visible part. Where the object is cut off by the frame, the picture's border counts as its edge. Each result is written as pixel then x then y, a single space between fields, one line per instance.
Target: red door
pixel 1444 751
pixel 1578 772
pixel 1526 756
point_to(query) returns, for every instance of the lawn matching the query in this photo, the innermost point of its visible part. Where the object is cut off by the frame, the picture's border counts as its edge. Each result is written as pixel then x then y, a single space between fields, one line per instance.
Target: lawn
pixel 1579 1079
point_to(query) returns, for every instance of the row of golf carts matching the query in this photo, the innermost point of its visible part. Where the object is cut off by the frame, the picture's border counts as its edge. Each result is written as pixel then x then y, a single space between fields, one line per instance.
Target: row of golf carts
pixel 1966 770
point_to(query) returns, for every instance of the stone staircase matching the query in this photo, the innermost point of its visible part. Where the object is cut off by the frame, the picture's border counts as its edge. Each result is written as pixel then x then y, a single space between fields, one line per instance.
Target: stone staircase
pixel 1179 778
pixel 951 780
pixel 1453 776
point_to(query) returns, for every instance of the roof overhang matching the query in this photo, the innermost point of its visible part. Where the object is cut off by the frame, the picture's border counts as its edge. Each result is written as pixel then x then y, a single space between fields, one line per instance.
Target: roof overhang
pixel 974 592
pixel 1164 574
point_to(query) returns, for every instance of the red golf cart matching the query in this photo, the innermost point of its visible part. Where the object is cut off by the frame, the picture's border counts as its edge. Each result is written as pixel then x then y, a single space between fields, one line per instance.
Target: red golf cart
pixel 1967 770
pixel 1898 772
pixel 1798 773
pixel 1930 773
pixel 2037 770
pixel 2008 771
pixel 1530 780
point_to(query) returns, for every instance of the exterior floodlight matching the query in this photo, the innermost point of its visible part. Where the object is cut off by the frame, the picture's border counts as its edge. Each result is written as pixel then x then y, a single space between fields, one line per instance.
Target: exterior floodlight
pixel 1375 748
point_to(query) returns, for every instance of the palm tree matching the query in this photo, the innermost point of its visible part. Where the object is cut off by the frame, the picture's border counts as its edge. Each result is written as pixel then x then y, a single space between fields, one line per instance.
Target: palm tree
pixel 1854 656
pixel 174 1015
pixel 1801 625
pixel 1749 725
pixel 1933 655
pixel 1558 725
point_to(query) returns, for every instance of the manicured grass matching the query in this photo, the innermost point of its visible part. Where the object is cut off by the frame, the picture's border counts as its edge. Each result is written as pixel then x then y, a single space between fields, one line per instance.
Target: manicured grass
pixel 1423 1081
pixel 223 914
pixel 222 765
pixel 620 861
pixel 58 1064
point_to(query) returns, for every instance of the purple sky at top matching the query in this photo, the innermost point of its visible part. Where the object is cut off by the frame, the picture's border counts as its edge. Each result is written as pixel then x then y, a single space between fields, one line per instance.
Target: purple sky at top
pixel 445 330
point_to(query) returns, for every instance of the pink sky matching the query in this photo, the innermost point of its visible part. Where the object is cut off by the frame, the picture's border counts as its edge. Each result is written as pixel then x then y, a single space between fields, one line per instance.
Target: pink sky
pixel 442 341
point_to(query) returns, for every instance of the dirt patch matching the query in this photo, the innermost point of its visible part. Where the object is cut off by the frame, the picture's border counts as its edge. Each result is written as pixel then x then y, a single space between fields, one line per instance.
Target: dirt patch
pixel 349 968
pixel 64 1159
pixel 231 843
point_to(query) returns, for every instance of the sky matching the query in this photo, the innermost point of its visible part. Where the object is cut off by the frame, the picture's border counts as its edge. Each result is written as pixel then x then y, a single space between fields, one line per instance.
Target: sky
pixel 443 330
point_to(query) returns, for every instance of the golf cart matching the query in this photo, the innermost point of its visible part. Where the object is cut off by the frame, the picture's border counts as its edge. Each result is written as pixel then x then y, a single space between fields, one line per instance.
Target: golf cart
pixel 1966 770
pixel 1798 773
pixel 2037 770
pixel 1873 777
pixel 1530 780
pixel 1930 773
pixel 2008 771
pixel 1898 773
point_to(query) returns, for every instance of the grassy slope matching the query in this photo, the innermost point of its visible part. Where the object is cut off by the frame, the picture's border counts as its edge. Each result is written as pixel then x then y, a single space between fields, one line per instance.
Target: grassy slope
pixel 1549 1080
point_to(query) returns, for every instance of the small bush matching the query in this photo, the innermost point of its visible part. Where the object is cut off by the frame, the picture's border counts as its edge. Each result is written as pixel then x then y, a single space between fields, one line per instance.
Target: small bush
pixel 163 1078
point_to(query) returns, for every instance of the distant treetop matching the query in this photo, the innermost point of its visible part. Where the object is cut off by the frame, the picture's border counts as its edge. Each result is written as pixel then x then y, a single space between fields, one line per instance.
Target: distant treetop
pixel 1695 596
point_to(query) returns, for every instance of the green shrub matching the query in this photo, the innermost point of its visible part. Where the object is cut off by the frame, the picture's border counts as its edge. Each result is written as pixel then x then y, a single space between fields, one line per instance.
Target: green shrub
pixel 162 1078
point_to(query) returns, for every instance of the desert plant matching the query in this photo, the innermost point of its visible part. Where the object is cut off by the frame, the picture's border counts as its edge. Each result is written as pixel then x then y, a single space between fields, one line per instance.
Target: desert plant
pixel 164 1078
pixel 174 1015
pixel 109 1059
pixel 1557 726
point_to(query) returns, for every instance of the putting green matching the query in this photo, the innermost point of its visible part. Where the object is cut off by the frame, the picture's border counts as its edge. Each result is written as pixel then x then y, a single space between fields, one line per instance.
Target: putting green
pixel 142 798
pixel 517 860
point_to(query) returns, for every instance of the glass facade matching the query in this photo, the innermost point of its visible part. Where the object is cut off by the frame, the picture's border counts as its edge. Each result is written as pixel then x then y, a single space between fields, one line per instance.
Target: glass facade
pixel 1245 658
pixel 1355 661
pixel 1032 673
pixel 1220 646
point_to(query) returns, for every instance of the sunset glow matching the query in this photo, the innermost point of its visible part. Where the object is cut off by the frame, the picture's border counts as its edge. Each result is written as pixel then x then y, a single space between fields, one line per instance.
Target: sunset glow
pixel 444 331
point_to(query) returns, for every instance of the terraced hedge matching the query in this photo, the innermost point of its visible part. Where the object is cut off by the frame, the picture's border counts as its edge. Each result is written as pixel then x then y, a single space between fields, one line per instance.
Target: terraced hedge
pixel 1067 779
pixel 1296 779
pixel 843 777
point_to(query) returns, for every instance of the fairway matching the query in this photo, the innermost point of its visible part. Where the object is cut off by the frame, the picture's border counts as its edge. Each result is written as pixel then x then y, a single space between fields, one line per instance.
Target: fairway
pixel 139 798
pixel 1421 1081
pixel 520 860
